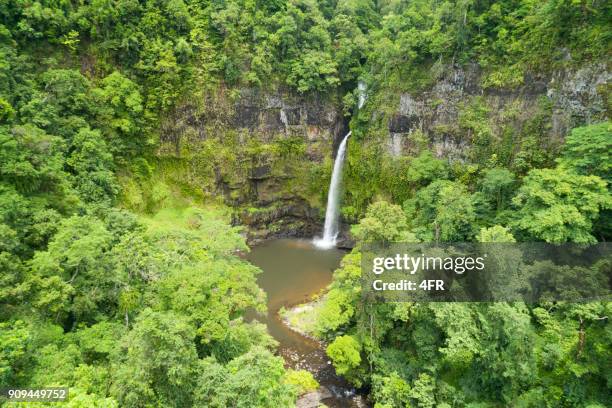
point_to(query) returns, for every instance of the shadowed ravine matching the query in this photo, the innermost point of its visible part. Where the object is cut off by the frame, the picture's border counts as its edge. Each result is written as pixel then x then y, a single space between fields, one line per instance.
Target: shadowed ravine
pixel 293 271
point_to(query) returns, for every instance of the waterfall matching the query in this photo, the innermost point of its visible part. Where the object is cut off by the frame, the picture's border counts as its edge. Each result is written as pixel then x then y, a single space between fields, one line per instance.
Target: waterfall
pixel 283 119
pixel 330 230
pixel 361 87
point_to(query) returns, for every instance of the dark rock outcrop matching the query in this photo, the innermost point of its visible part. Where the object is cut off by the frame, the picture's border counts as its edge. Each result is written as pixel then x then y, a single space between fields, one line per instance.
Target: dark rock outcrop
pixel 260 187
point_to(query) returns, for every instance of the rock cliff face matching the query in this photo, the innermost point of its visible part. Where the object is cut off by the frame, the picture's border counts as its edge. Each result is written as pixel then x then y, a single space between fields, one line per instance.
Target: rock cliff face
pixel 564 99
pixel 280 142
pixel 259 115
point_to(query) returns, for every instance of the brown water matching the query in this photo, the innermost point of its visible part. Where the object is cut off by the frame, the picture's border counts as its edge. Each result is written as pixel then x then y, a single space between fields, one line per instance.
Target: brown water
pixel 294 270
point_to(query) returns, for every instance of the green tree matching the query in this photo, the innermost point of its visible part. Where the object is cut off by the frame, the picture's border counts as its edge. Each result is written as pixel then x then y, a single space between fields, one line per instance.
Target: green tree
pixel 345 352
pixel 10 280
pixel 303 380
pixel 587 151
pixel 315 71
pixel 390 391
pixel 496 233
pixel 557 206
pixel 442 211
pixel 31 160
pixel 497 183
pixel 120 113
pixel 339 307
pixel 254 379
pixel 93 165
pixel 405 175
pixel 74 273
pixel 156 363
pixel 62 105
pixel 383 223
pixel 211 294
pixel 14 339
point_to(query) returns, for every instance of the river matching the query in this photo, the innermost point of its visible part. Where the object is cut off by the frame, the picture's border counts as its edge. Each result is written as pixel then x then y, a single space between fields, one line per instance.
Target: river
pixel 293 271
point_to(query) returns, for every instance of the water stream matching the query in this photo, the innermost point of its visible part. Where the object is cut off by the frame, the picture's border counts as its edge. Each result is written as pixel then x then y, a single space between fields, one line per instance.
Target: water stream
pixel 294 270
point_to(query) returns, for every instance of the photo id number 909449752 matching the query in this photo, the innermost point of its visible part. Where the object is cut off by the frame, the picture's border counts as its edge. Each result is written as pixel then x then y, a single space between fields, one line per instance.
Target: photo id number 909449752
pixel 47 394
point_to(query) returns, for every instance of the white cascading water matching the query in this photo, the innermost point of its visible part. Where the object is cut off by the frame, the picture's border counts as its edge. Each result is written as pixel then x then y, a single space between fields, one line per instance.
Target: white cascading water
pixel 361 86
pixel 330 229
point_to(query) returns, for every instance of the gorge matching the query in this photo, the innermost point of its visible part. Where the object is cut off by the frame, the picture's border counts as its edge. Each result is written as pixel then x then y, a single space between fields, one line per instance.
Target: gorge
pixel 278 195
pixel 311 271
pixel 165 166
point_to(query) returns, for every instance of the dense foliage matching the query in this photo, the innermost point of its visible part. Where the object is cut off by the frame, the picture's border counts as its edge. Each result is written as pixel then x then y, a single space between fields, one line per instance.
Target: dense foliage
pixel 145 307
pixel 549 354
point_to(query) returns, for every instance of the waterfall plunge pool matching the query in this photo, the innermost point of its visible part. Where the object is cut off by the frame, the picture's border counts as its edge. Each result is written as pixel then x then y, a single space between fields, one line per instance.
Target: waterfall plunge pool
pixel 293 271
